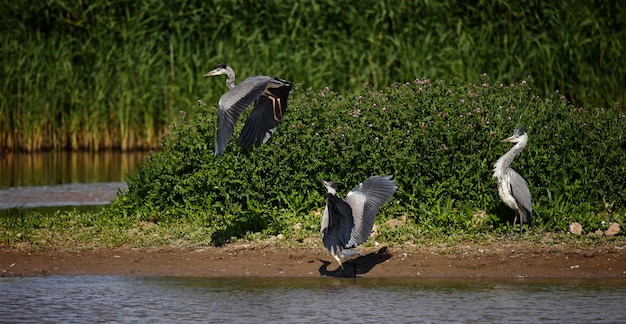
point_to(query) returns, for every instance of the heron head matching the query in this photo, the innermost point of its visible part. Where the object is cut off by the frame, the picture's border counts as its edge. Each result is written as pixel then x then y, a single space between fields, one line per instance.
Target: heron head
pixel 330 186
pixel 517 136
pixel 219 70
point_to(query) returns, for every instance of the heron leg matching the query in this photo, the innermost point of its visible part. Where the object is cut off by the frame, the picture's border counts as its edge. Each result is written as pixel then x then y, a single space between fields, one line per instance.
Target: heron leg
pixel 514 222
pixel 276 102
pixel 338 261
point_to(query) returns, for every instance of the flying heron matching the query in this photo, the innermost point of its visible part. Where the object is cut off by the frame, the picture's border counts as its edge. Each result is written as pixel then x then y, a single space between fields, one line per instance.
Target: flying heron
pixel 269 95
pixel 512 188
pixel 346 224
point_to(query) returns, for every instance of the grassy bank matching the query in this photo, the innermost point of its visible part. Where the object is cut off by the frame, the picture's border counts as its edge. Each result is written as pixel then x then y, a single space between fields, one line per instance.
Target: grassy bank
pixel 113 74
pixel 438 138
pixel 77 231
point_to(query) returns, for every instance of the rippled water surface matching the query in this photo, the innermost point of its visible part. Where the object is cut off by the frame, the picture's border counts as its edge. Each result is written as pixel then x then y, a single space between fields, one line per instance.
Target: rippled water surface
pixel 252 300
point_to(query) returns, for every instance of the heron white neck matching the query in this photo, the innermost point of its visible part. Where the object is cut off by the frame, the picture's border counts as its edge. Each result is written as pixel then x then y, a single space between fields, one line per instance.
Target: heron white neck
pixel 504 161
pixel 230 80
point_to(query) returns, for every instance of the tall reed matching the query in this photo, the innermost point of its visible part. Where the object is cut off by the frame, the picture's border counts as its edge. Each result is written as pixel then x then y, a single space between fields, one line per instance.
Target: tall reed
pixel 113 74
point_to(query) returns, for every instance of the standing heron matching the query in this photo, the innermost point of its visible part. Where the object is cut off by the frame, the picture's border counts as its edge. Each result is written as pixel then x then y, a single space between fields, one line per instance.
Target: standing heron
pixel 512 188
pixel 346 224
pixel 269 95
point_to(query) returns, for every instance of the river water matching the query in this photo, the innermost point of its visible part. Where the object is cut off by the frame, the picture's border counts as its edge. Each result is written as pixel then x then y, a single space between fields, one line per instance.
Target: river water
pixel 52 180
pixel 92 299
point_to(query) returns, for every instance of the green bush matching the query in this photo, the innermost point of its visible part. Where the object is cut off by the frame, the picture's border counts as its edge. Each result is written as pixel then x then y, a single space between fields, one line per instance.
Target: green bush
pixel 439 140
pixel 113 73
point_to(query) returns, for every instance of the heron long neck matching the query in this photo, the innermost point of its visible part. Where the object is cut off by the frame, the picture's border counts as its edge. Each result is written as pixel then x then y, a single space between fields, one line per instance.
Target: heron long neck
pixel 230 80
pixel 504 161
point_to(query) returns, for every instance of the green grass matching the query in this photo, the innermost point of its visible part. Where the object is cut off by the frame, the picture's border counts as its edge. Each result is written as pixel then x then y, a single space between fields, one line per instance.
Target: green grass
pixel 74 231
pixel 114 74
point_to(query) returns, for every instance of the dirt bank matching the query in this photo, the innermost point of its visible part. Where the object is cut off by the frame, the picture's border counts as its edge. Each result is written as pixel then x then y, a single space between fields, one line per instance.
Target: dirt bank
pixel 494 260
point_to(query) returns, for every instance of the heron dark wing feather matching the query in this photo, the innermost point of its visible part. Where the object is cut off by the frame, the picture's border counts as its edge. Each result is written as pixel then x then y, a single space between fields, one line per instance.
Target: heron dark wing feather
pixel 339 222
pixel 267 114
pixel 259 124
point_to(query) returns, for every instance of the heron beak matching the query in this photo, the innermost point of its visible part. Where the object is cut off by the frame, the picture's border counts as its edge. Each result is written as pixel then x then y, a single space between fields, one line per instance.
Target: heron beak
pixel 512 139
pixel 214 72
pixel 327 184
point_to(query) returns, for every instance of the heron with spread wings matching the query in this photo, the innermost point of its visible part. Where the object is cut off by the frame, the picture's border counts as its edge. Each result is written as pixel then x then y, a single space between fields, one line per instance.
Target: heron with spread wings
pixel 347 224
pixel 512 188
pixel 269 95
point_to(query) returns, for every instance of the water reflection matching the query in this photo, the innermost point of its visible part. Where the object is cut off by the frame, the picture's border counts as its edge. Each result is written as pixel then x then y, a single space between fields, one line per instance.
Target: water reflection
pixel 52 168
pixel 246 300
pixel 64 180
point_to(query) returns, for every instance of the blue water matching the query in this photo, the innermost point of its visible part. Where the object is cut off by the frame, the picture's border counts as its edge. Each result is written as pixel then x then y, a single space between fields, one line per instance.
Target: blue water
pixel 79 299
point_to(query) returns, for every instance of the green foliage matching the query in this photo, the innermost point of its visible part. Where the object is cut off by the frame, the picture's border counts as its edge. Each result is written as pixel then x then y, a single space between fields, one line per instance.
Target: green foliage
pixel 71 229
pixel 439 140
pixel 113 73
pixel 16 225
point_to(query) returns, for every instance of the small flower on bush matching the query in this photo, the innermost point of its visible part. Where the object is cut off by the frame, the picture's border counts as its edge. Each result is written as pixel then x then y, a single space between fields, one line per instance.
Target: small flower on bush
pixel 355 113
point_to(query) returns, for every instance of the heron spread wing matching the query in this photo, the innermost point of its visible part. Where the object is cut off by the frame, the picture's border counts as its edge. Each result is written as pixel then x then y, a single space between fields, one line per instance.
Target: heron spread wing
pixel 521 193
pixel 266 115
pixel 233 103
pixel 365 200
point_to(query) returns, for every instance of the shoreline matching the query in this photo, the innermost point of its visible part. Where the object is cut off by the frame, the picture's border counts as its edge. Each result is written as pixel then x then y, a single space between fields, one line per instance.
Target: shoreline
pixel 510 260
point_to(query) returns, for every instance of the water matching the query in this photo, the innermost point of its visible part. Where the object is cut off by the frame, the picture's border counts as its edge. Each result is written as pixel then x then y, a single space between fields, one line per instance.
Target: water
pixel 252 300
pixel 63 180
pixel 56 168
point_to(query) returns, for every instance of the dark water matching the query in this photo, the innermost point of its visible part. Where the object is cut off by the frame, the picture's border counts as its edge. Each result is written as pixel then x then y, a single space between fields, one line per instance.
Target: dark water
pixel 61 180
pixel 55 168
pixel 203 300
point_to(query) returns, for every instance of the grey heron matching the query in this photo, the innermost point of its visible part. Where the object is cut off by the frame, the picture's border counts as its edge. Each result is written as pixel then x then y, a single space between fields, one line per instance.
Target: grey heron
pixel 269 95
pixel 346 224
pixel 512 188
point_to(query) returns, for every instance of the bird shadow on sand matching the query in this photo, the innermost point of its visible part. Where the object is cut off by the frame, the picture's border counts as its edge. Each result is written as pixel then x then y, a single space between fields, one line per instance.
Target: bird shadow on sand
pixel 355 267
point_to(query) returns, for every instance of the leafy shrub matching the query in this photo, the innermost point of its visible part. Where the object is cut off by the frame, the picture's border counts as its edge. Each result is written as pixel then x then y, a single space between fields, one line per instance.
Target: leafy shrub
pixel 439 140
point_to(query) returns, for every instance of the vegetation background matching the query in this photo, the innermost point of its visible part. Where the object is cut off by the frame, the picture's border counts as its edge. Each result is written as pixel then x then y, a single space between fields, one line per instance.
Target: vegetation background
pixel 114 73
pixel 421 90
